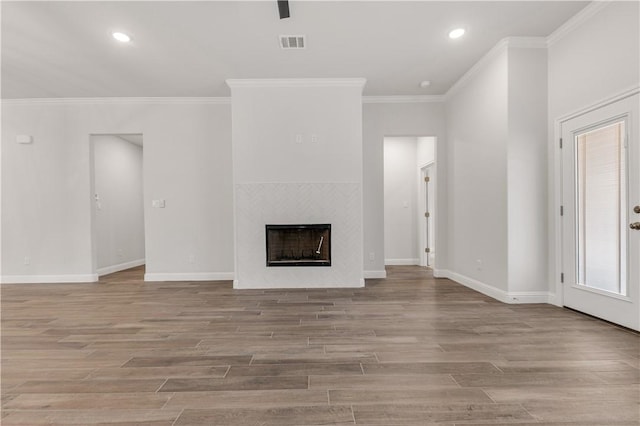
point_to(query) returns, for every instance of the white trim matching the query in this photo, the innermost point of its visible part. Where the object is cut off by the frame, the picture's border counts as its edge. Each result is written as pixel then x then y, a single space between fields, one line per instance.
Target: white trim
pixel 527 42
pixel 577 20
pixel 500 47
pixel 49 279
pixel 296 82
pixel 120 267
pixel 189 276
pixel 478 286
pixel 440 273
pixel 375 274
pixel 600 104
pixel 401 99
pixel 401 262
pixel 270 286
pixel 118 101
pixel 408 99
pixel 524 297
pixel 514 297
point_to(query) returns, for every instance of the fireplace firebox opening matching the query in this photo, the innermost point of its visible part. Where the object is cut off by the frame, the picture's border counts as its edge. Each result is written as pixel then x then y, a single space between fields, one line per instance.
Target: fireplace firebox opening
pixel 298 245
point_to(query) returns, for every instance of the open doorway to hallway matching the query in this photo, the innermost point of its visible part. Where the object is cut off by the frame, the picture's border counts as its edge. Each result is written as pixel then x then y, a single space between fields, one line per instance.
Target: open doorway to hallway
pixel 117 204
pixel 409 200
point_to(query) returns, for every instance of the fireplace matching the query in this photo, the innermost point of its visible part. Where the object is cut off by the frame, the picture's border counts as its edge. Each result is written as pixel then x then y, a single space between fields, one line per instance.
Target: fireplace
pixel 298 245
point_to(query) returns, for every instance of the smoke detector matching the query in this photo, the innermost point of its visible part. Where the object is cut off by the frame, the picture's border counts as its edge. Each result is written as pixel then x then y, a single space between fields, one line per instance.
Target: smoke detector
pixel 292 42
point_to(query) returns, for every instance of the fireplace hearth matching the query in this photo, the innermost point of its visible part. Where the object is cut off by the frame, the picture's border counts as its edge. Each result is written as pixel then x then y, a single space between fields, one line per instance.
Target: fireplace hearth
pixel 298 245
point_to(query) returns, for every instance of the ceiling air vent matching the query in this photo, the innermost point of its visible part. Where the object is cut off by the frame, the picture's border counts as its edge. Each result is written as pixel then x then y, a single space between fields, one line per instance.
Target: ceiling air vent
pixel 292 42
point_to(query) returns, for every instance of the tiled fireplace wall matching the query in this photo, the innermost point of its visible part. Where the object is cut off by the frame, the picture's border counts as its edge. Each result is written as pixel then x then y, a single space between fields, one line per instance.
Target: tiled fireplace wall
pixel 297 159
pixel 301 203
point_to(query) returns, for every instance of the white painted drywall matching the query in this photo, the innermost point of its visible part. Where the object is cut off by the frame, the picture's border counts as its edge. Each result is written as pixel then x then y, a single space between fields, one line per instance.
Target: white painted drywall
pixel 382 120
pixel 497 173
pixel 527 170
pixel 119 204
pixel 477 134
pixel 297 159
pixel 47 196
pixel 400 201
pixel 598 59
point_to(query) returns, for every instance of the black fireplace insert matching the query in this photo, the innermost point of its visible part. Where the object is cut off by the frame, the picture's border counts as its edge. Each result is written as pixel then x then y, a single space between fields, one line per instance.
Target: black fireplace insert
pixel 298 245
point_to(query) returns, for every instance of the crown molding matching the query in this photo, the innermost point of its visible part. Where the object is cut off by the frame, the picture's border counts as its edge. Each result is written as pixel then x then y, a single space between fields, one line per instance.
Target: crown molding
pixel 500 47
pixel 411 99
pixel 577 20
pixel 296 82
pixel 199 101
pixel 527 42
pixel 496 50
pixel 119 101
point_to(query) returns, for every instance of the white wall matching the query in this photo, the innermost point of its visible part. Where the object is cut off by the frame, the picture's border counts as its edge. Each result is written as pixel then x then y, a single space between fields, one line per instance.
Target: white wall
pixel 477 133
pixel 596 59
pixel 119 207
pixel 396 119
pixel 297 159
pixel 497 173
pixel 527 170
pixel 400 201
pixel 426 151
pixel 47 196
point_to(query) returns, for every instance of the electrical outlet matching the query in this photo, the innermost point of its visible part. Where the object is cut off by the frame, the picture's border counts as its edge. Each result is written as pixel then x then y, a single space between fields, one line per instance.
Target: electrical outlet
pixel 191 258
pixel 372 256
pixel 27 260
pixel 479 264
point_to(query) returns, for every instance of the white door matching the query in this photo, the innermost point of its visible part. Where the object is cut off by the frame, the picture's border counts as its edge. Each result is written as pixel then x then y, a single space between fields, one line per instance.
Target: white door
pixel 601 217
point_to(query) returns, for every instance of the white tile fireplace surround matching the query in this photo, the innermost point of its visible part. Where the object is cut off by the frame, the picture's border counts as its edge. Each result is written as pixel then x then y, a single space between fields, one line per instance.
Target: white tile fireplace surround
pixel 297 159
pixel 338 204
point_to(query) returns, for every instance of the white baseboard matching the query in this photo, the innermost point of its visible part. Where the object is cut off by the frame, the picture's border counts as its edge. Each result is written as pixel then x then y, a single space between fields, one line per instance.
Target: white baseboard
pixel 237 285
pixel 49 279
pixel 440 273
pixel 120 267
pixel 189 276
pixel 375 274
pixel 401 262
pixel 555 299
pixel 514 297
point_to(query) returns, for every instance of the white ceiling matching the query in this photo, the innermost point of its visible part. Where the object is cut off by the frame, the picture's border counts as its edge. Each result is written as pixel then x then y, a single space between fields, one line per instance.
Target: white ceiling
pixel 65 49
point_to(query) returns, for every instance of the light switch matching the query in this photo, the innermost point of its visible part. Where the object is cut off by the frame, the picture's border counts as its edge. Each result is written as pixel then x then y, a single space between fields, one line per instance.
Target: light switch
pixel 157 204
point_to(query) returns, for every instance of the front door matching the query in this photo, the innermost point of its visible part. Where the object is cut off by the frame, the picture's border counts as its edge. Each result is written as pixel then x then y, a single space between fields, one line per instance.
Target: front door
pixel 601 213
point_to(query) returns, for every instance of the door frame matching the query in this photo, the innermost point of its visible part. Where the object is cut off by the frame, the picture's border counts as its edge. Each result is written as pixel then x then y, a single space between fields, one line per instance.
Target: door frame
pixel 428 169
pixel 93 221
pixel 555 228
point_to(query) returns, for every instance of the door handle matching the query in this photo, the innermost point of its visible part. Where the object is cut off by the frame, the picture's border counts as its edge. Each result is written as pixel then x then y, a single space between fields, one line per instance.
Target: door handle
pixel 635 225
pixel 636 209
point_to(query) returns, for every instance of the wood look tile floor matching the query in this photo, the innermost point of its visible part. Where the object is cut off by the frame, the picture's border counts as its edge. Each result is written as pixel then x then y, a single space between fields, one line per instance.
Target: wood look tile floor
pixel 406 350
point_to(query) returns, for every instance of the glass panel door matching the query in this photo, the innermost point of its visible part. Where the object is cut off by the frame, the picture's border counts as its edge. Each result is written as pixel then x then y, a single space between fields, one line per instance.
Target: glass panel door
pixel 600 222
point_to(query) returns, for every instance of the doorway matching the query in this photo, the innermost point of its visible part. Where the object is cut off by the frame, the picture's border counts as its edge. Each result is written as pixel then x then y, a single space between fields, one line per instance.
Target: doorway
pixel 601 213
pixel 409 200
pixel 117 202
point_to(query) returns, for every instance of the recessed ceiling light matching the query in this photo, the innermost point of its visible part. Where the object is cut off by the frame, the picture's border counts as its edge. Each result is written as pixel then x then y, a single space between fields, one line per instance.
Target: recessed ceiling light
pixel 122 37
pixel 457 33
pixel 425 84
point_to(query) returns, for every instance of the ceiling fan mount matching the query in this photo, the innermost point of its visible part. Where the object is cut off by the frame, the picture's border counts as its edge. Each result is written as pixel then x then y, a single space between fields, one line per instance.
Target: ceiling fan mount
pixel 283 9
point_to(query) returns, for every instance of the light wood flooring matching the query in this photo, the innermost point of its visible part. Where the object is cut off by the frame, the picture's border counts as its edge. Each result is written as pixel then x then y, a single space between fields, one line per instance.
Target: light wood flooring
pixel 407 350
